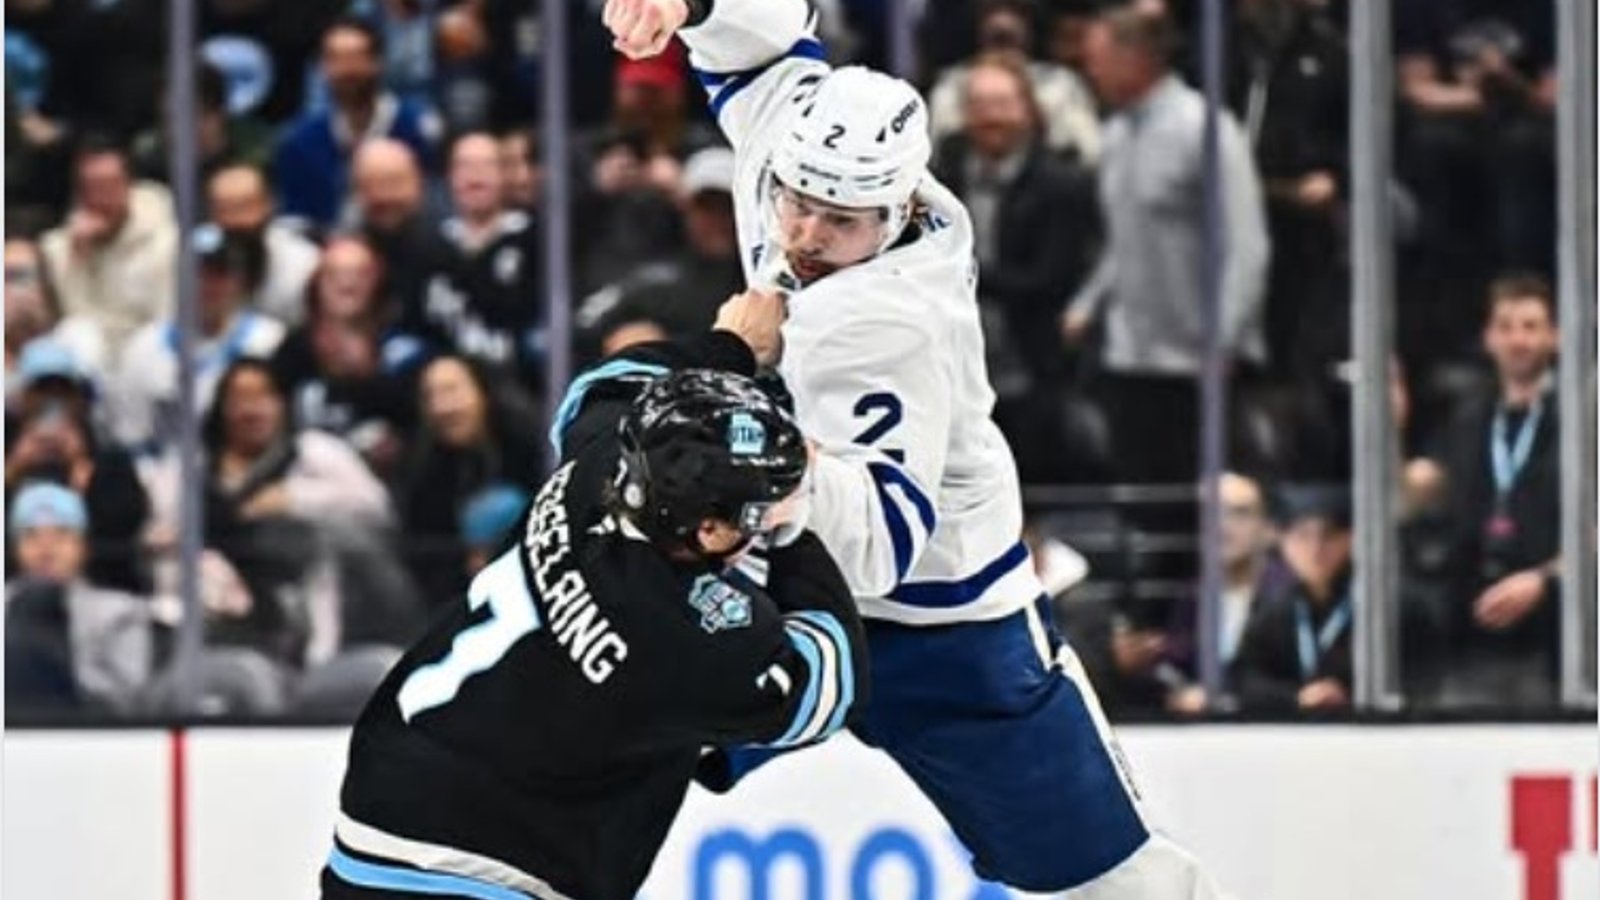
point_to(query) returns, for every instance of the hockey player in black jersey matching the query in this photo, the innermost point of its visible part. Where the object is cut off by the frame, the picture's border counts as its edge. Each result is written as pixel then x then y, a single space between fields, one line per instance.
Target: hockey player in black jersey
pixel 539 740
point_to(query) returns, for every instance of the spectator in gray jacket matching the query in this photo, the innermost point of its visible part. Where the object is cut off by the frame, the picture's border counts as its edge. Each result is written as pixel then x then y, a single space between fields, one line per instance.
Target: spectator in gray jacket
pixel 1147 289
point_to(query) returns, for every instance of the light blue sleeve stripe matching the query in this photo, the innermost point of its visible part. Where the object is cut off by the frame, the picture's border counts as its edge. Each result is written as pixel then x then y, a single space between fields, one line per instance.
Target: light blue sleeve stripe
pixel 412 881
pixel 572 402
pixel 830 625
pixel 807 646
pixel 723 86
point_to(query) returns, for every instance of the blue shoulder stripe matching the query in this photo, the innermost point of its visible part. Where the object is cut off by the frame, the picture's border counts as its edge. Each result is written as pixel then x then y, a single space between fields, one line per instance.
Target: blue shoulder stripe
pixel 723 86
pixel 572 402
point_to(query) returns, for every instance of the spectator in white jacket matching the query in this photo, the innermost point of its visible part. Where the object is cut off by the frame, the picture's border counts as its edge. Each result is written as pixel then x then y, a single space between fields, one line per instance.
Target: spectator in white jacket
pixel 112 259
pixel 274 496
pixel 144 397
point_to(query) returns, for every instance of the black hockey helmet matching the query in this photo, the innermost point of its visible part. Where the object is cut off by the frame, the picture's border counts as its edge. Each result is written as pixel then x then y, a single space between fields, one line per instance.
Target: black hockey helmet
pixel 703 444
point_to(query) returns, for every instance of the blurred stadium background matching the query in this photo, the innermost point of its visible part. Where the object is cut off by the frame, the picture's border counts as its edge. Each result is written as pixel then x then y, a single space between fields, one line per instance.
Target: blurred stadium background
pixel 1301 349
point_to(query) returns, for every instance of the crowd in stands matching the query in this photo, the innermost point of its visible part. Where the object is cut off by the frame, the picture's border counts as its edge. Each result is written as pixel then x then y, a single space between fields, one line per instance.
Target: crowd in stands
pixel 371 346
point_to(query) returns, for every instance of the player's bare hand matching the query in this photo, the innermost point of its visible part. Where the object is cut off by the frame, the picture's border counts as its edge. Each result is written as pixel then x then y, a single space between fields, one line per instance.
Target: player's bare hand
pixel 642 28
pixel 756 316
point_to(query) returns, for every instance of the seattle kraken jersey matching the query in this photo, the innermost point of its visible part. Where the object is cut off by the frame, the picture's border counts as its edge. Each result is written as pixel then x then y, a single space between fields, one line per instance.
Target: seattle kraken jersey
pixel 885 354
pixel 484 302
pixel 542 735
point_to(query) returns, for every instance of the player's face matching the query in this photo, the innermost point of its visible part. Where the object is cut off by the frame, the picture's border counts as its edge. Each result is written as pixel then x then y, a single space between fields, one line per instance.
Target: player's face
pixel 820 238
pixel 719 537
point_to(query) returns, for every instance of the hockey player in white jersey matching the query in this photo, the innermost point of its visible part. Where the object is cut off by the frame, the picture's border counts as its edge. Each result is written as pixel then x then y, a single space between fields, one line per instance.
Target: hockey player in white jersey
pixel 915 492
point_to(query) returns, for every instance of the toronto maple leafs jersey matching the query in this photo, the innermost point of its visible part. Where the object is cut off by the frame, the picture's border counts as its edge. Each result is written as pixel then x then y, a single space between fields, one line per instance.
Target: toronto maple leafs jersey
pixel 887 353
pixel 541 736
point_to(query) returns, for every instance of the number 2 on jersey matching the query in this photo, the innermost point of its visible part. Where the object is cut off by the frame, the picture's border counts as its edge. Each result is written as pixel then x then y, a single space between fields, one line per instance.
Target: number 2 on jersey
pixel 887 408
pixel 477 648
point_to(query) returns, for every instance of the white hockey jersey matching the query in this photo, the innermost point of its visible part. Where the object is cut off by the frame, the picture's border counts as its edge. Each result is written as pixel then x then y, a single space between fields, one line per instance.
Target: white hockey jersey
pixel 916 496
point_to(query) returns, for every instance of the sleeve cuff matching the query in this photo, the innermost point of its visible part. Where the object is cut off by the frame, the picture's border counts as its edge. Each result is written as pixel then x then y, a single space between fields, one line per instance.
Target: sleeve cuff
pixel 721 350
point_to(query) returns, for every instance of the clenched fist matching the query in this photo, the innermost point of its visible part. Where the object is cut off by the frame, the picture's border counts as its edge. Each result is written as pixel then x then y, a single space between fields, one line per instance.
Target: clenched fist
pixel 756 316
pixel 642 28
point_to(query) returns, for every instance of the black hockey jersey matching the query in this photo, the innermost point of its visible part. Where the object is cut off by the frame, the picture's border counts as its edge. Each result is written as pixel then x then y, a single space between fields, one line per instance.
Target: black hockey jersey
pixel 484 302
pixel 542 735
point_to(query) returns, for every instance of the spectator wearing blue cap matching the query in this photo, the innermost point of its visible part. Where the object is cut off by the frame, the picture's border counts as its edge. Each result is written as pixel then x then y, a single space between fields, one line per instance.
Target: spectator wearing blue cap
pixel 486 518
pixel 146 404
pixel 51 437
pixel 69 645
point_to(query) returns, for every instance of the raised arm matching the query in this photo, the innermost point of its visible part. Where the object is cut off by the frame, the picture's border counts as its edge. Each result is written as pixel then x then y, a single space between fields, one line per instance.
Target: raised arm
pixel 751 56
pixel 744 337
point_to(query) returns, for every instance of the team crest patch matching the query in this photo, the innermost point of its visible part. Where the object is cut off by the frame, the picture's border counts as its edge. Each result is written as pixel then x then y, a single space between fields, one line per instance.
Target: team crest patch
pixel 722 606
pixel 746 435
